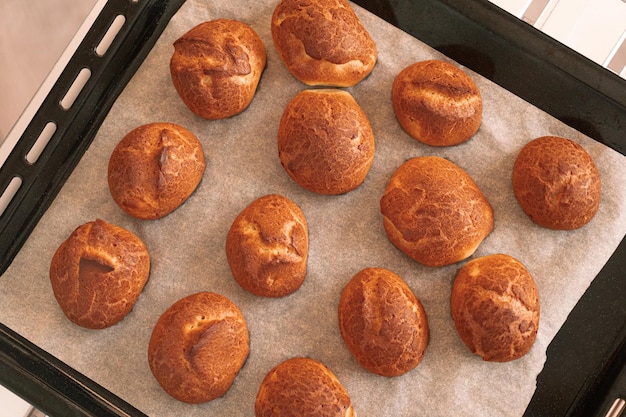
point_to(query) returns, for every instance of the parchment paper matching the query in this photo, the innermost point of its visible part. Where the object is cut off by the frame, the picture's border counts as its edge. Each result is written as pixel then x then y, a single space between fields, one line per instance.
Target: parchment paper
pixel 346 235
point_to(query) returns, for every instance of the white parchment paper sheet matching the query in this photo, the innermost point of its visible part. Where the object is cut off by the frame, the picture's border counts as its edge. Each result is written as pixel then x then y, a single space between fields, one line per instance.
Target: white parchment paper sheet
pixel 346 235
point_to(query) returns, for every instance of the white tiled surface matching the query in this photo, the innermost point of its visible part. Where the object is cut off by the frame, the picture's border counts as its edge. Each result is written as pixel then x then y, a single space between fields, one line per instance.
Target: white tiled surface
pixel 592 27
pixel 595 28
pixel 515 7
pixel 12 405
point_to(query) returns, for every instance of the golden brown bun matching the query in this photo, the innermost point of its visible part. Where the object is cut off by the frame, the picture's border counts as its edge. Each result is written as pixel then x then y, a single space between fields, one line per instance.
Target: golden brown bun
pixel 98 273
pixel 495 307
pixel 322 42
pixel 382 323
pixel 302 387
pixel 437 103
pixel 325 141
pixel 198 346
pixel 154 169
pixel 267 247
pixel 216 67
pixel 434 212
pixel 557 183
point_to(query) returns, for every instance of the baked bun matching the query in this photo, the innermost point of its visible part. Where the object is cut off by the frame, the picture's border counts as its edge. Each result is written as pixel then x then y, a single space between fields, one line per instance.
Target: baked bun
pixel 434 212
pixel 495 307
pixel 322 42
pixel 382 323
pixel 325 141
pixel 216 67
pixel 98 273
pixel 302 387
pixel 198 346
pixel 557 183
pixel 267 247
pixel 154 169
pixel 437 103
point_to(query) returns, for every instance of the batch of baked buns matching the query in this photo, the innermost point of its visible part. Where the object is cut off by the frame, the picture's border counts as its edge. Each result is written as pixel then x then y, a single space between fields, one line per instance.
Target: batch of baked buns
pixel 431 208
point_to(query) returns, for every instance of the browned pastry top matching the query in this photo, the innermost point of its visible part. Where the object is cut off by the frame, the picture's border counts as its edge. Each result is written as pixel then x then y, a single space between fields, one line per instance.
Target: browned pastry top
pixel 216 67
pixel 323 42
pixel 382 323
pixel 557 183
pixel 434 212
pixel 98 273
pixel 437 103
pixel 325 141
pixel 495 307
pixel 302 387
pixel 154 169
pixel 198 346
pixel 267 246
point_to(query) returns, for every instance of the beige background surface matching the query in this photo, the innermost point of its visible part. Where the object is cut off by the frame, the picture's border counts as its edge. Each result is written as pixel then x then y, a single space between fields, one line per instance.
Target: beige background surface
pixel 33 34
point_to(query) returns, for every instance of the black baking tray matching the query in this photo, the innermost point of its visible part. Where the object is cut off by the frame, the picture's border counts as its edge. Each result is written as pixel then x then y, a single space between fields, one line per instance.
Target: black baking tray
pixel 585 369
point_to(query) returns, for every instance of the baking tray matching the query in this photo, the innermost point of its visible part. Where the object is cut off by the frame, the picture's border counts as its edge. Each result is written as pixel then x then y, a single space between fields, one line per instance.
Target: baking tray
pixel 585 366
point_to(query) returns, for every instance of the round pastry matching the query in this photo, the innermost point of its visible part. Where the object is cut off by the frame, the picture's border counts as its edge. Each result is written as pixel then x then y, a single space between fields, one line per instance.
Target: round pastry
pixel 325 141
pixel 302 387
pixel 322 42
pixel 382 323
pixel 557 183
pixel 198 346
pixel 154 169
pixel 97 274
pixel 495 307
pixel 437 103
pixel 216 67
pixel 434 212
pixel 267 247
